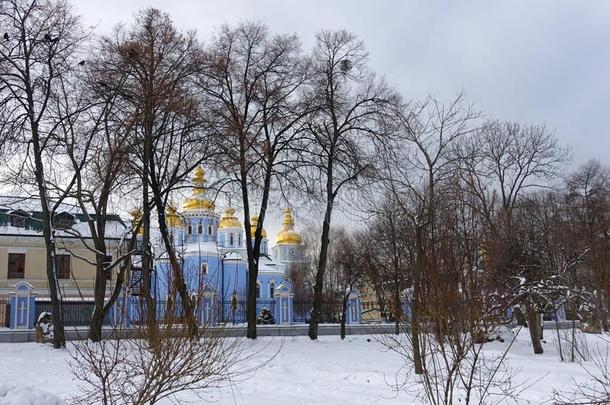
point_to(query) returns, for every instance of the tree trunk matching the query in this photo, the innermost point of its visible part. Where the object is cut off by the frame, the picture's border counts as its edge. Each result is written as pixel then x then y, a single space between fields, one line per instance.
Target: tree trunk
pixel 59 339
pixel 399 315
pixel 317 290
pixel 150 310
pixel 49 240
pixel 251 306
pixel 97 318
pixel 415 304
pixel 533 320
pixel 178 283
pixel 343 313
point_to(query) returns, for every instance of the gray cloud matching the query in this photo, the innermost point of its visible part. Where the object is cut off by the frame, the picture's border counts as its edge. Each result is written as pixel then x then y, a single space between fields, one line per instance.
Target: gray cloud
pixel 542 62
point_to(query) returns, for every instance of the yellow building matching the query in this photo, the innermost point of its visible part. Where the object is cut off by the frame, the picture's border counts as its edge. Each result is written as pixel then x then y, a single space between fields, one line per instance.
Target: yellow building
pixel 23 253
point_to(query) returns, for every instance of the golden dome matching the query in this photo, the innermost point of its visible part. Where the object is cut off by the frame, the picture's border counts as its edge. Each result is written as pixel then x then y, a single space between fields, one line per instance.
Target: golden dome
pixel 288 236
pixel 229 220
pixel 136 216
pixel 197 201
pixel 253 225
pixel 171 216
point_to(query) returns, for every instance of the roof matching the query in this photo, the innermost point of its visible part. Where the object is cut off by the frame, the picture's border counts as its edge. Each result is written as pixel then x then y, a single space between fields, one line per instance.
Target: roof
pixel 29 209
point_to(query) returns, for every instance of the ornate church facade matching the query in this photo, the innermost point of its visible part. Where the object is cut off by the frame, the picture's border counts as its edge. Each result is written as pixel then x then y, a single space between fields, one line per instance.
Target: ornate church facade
pixel 212 252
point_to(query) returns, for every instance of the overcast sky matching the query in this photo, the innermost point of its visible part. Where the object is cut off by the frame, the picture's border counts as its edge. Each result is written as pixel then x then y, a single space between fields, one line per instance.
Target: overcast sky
pixel 545 62
pixel 539 62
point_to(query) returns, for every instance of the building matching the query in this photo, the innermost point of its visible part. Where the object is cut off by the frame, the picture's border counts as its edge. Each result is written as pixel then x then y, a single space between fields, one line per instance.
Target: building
pixel 212 252
pixel 23 257
pixel 23 253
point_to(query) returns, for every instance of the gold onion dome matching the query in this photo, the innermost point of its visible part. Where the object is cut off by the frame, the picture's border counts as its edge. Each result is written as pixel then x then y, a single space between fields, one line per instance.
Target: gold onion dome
pixel 136 216
pixel 172 217
pixel 253 225
pixel 288 236
pixel 229 220
pixel 197 201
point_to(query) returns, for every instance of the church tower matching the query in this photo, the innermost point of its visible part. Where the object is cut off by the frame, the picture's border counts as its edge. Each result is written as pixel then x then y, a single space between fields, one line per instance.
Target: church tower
pixel 289 243
pixel 230 230
pixel 200 220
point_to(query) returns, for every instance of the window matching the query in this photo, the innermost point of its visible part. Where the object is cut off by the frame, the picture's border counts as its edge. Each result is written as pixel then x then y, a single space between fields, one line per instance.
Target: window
pixel 258 290
pixel 271 290
pixel 190 230
pixel 18 219
pixel 231 239
pixel 209 229
pixel 16 265
pixel 107 263
pixel 62 264
pixel 204 269
pixel 64 220
pixel 200 228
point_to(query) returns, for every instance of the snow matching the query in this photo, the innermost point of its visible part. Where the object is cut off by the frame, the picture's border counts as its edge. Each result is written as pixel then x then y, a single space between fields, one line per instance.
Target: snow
pixel 17 394
pixel 358 370
pixel 42 315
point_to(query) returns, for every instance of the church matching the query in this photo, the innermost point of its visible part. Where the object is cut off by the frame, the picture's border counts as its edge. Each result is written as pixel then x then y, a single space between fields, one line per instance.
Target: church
pixel 212 252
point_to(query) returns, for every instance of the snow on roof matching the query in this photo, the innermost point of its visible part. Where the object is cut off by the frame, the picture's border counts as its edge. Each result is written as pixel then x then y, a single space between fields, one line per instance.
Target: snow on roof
pixel 268 265
pixel 33 204
pixel 115 228
pixel 199 247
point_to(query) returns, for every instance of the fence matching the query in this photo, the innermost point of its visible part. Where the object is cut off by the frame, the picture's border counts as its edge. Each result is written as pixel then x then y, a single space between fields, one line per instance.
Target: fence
pixel 5 313
pixel 78 313
pixel 235 312
pixel 330 312
pixel 75 313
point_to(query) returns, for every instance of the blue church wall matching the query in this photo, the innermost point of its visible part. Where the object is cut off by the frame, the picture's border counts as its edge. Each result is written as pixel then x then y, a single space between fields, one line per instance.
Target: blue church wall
pixel 230 238
pixel 201 229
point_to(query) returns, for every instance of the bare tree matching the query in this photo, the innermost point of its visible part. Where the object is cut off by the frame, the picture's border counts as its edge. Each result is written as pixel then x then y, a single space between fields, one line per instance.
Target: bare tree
pixel 40 49
pixel 155 65
pixel 95 138
pixel 417 168
pixel 351 108
pixel 501 163
pixel 253 82
pixel 149 366
pixel 588 204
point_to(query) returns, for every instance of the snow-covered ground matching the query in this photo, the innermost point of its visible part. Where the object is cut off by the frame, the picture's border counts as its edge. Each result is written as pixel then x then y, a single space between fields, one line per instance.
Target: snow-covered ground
pixel 328 371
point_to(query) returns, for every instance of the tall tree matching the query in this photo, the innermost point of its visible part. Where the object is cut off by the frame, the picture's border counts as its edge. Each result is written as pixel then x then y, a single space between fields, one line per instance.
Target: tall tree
pixel 39 50
pixel 351 107
pixel 95 137
pixel 253 82
pixel 504 162
pixel 156 66
pixel 417 167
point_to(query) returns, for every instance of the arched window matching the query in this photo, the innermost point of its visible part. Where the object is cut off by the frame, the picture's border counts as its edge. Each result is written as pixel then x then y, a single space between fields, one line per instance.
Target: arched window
pixel 200 228
pixel 231 239
pixel 209 229
pixel 271 290
pixel 190 230
pixel 258 290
